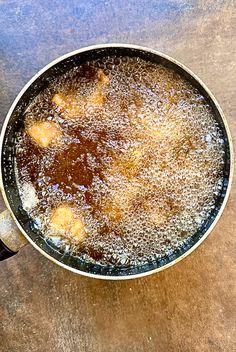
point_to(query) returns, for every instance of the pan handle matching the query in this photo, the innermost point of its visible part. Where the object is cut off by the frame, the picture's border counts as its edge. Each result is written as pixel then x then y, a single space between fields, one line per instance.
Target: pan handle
pixel 11 239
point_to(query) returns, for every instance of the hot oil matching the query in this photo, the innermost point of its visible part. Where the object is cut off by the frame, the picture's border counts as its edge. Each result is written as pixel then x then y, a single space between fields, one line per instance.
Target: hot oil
pixel 141 163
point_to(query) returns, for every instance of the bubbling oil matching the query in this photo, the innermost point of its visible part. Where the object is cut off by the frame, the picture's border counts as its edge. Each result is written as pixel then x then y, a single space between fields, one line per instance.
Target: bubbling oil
pixel 139 160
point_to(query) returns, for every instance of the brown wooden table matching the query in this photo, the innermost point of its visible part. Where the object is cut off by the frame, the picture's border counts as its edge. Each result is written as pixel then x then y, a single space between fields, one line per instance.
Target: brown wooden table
pixel 189 307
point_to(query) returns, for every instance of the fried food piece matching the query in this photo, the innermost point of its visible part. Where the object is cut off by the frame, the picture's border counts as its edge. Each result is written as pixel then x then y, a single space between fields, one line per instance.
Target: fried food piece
pixel 78 231
pixel 98 96
pixel 130 163
pixel 102 78
pixel 145 129
pixel 160 213
pixel 171 129
pixel 64 218
pixel 120 202
pixel 71 107
pixel 174 128
pixel 157 217
pixel 113 211
pixel 44 133
pixel 60 101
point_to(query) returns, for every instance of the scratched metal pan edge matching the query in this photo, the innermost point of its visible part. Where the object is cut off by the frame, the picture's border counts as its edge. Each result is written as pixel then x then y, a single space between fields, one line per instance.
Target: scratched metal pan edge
pixel 14 223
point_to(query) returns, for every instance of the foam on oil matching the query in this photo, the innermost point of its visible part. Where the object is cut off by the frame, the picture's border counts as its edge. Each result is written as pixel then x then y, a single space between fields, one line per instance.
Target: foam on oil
pixel 142 169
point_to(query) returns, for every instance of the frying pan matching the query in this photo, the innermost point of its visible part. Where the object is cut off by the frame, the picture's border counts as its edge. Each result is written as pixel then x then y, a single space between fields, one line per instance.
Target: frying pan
pixel 17 228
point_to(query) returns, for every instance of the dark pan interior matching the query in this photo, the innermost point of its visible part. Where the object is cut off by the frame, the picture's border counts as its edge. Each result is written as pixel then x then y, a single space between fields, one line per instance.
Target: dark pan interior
pixel 8 152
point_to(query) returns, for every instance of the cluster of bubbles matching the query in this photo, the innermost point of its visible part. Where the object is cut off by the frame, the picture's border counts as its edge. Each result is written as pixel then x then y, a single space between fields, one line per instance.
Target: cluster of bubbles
pixel 143 169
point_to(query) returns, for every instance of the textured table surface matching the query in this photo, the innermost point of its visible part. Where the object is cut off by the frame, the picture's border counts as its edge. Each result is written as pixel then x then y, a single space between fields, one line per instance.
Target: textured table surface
pixel 189 307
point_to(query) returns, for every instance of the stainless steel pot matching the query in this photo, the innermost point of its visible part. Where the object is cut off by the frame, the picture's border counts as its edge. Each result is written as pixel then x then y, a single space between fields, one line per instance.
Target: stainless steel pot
pixel 16 228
